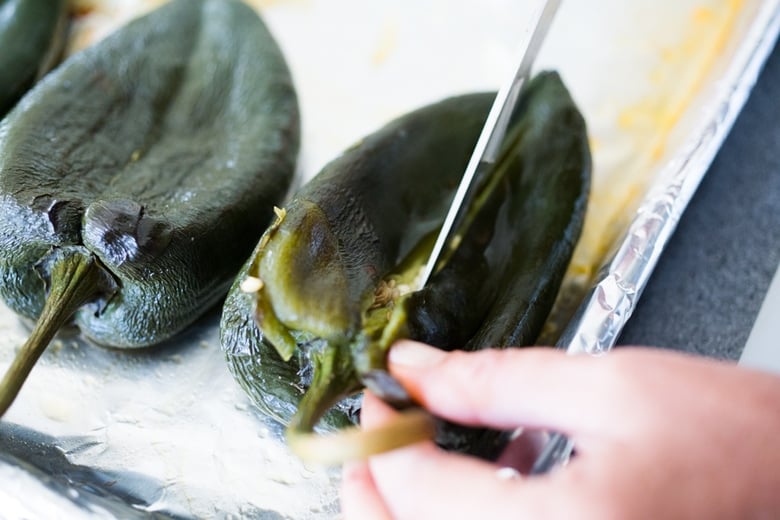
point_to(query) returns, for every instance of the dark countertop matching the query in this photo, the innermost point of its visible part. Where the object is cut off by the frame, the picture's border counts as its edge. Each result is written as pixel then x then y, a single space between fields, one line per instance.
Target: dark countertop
pixel 710 281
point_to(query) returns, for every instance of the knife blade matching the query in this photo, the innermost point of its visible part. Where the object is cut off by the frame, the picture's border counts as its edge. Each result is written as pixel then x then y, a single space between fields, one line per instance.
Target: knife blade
pixel 488 145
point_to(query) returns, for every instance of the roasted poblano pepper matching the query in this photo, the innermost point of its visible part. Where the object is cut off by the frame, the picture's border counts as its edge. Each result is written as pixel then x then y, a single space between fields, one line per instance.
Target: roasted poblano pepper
pixel 137 176
pixel 32 37
pixel 314 310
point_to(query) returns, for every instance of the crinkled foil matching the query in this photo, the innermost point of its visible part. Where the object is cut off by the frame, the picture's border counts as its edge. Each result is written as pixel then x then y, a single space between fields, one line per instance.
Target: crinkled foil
pixel 167 433
pixel 599 320
pixel 611 301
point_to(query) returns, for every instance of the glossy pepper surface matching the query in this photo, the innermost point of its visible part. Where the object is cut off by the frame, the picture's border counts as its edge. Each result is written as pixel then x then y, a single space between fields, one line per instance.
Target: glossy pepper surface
pixel 331 283
pixel 148 164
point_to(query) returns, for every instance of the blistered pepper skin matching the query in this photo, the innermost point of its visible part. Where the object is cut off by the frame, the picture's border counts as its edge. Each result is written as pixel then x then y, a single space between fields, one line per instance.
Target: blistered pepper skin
pixel 32 36
pixel 495 289
pixel 158 153
pixel 413 163
pixel 527 229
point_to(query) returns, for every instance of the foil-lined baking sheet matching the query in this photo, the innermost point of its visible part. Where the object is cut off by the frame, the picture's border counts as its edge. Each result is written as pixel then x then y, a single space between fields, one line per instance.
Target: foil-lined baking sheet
pixel 167 433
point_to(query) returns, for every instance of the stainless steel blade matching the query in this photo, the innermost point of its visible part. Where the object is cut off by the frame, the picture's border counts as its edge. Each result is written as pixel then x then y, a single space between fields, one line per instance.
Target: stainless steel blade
pixel 489 142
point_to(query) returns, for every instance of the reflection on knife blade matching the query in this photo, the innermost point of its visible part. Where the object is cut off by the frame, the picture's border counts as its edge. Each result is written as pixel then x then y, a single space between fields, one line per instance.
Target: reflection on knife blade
pixel 493 132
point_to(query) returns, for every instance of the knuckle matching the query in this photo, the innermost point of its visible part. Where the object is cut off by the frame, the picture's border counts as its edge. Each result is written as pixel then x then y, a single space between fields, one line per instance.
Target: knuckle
pixel 474 378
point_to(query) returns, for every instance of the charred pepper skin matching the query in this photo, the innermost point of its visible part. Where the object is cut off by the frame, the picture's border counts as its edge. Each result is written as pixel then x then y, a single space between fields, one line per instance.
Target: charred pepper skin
pixel 539 210
pixel 412 162
pixel 32 37
pixel 495 290
pixel 157 155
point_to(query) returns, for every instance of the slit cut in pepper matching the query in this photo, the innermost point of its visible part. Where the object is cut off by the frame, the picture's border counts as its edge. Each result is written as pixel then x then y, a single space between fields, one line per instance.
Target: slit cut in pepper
pixel 329 287
pixel 135 178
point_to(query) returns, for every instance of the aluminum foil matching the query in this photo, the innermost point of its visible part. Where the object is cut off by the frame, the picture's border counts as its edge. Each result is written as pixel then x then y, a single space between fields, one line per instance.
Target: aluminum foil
pixel 167 433
pixel 612 299
pixel 598 322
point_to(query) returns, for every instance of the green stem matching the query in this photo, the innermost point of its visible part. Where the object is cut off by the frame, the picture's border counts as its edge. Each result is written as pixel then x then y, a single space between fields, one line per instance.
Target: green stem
pixel 334 379
pixel 405 428
pixel 75 279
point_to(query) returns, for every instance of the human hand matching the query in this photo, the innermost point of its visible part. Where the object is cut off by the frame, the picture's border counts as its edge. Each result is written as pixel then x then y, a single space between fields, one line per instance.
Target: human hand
pixel 658 435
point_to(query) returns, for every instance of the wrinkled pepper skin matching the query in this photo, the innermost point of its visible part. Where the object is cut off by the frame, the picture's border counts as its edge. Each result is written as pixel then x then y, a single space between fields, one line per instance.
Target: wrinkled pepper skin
pixel 156 154
pixel 374 207
pixel 32 37
pixel 467 305
pixel 354 239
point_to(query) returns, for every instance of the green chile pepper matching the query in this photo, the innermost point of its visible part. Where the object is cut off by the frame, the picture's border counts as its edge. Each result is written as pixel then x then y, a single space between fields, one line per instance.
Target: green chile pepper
pixel 32 37
pixel 346 229
pixel 312 313
pixel 135 178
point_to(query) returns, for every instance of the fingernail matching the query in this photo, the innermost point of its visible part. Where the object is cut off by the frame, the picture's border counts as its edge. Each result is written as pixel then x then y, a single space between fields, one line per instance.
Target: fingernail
pixel 415 355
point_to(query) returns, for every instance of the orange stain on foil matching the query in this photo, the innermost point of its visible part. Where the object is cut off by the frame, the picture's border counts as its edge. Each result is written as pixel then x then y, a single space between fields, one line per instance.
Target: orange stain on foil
pixel 686 64
pixel 386 43
pixel 677 79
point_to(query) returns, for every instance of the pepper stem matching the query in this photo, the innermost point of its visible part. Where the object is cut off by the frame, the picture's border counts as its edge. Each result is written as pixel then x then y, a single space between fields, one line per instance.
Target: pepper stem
pixel 75 279
pixel 333 379
pixel 329 385
pixel 407 427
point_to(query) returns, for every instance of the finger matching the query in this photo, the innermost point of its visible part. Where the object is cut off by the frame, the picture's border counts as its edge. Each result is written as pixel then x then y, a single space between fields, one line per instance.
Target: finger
pixel 534 387
pixel 539 388
pixel 619 394
pixel 421 481
pixel 359 496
